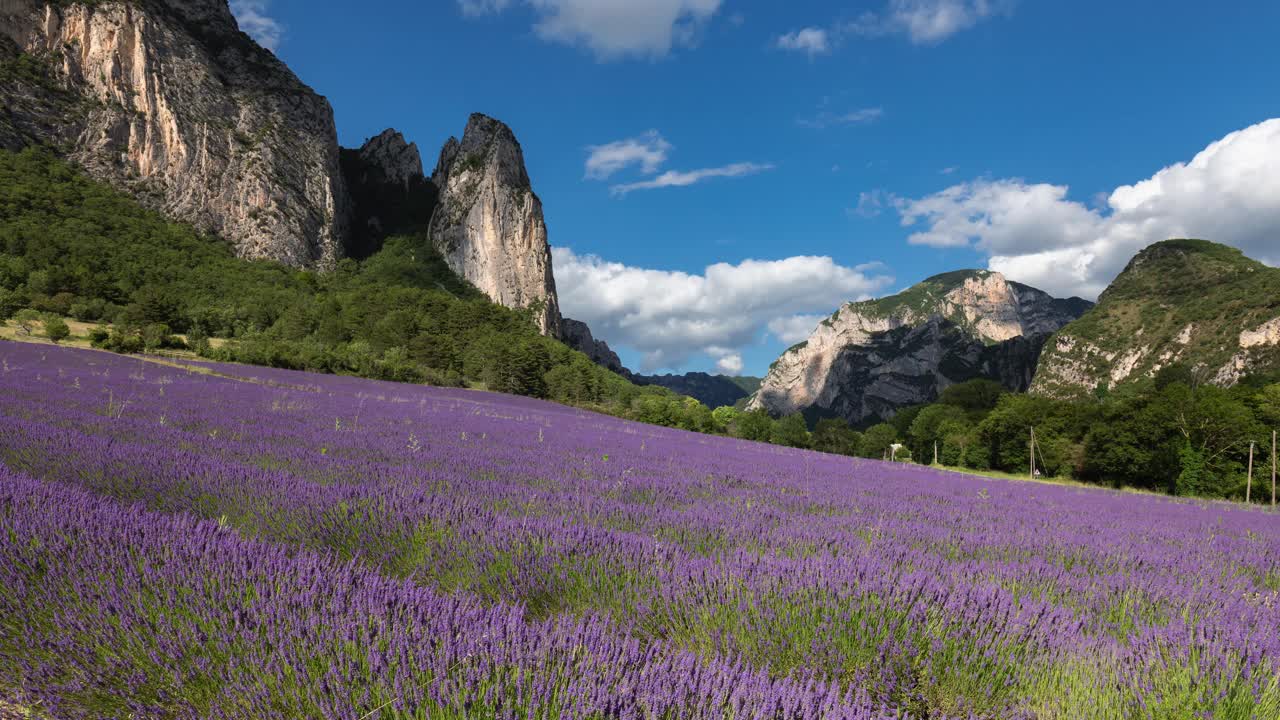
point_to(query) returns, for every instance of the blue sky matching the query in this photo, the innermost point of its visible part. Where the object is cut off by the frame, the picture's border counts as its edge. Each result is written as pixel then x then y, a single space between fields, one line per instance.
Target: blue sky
pixel 778 151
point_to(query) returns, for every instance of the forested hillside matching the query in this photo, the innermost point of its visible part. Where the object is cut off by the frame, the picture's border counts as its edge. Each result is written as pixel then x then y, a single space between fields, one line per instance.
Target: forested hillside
pixel 75 247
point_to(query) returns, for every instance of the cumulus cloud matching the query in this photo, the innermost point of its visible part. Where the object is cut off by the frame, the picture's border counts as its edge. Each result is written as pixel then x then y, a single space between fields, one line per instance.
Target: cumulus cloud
pixel 926 22
pixel 794 328
pixel 728 363
pixel 826 119
pixel 671 317
pixel 611 29
pixel 811 41
pixel 649 151
pixel 1034 233
pixel 683 178
pixel 253 19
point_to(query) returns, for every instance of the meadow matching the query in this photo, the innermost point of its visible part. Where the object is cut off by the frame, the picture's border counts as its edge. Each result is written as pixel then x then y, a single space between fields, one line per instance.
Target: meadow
pixel 231 542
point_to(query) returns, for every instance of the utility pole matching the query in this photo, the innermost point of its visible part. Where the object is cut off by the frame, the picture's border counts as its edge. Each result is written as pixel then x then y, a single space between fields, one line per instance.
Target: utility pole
pixel 1273 468
pixel 935 455
pixel 1248 486
pixel 1033 453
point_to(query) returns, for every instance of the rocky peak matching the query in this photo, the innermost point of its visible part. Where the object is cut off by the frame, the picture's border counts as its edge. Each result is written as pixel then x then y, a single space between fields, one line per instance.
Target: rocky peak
pixel 172 103
pixel 871 358
pixel 398 161
pixel 488 146
pixel 489 225
pixel 577 335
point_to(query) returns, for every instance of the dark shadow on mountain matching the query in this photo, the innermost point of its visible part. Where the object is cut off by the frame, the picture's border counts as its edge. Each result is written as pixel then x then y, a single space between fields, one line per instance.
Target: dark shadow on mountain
pixel 912 365
pixel 710 390
pixel 381 208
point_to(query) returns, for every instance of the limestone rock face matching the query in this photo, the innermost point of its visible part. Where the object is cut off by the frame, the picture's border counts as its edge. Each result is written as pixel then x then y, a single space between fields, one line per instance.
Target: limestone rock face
pixel 577 335
pixel 871 358
pixel 172 103
pixel 489 225
pixel 398 161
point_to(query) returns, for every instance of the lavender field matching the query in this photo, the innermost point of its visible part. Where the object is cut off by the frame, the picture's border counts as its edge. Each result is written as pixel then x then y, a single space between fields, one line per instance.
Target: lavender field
pixel 268 544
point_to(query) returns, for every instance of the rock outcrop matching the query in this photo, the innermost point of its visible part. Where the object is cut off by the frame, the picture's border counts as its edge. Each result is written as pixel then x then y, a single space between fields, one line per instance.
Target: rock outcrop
pixel 577 335
pixel 389 193
pixel 489 225
pixel 1180 302
pixel 171 102
pixel 871 358
pixel 397 161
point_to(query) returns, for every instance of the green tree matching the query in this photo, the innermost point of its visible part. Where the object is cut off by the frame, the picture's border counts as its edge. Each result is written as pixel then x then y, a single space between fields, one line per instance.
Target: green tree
pixel 834 435
pixel 876 441
pixel 10 303
pixel 55 328
pixel 27 318
pixel 925 430
pixel 974 395
pixel 1268 402
pixel 1216 428
pixel 791 431
pixel 725 417
pixel 754 425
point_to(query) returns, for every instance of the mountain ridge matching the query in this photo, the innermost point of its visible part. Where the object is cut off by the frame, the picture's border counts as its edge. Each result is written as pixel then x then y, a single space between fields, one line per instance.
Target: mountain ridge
pixel 1191 302
pixel 870 358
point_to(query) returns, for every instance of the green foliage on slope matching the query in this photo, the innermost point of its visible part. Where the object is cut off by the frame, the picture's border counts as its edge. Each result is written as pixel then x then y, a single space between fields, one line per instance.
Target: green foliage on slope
pixel 1178 301
pixel 919 299
pixel 73 246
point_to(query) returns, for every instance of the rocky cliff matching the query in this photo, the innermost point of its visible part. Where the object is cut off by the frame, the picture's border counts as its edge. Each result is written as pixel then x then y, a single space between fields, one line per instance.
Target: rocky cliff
pixel 171 102
pixel 395 160
pixel 1190 302
pixel 577 335
pixel 871 358
pixel 488 224
pixel 389 193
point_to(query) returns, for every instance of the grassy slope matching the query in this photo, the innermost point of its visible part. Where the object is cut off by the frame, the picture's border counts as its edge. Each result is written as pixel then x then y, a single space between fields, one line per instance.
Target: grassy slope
pixel 1169 286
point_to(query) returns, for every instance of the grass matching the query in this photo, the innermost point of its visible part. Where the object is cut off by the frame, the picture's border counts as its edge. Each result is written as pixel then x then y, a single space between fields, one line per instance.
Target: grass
pixel 79 338
pixel 1043 479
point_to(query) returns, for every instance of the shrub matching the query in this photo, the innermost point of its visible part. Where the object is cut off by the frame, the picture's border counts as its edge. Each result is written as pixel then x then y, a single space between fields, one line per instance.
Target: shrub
pixel 55 328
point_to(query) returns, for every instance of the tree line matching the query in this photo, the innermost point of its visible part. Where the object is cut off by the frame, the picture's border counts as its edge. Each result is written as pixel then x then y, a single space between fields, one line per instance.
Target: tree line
pixel 73 247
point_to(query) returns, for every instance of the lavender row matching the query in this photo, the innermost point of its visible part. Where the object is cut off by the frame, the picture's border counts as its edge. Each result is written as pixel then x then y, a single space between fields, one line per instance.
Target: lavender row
pixel 935 593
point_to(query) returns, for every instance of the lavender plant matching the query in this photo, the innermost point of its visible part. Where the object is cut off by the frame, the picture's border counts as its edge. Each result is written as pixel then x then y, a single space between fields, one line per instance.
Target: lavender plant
pixel 220 547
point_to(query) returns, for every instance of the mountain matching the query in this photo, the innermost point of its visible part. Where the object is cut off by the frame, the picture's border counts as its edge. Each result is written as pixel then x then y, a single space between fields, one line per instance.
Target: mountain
pixel 169 101
pixel 489 225
pixel 577 335
pixel 389 193
pixel 871 358
pixel 711 390
pixel 172 103
pixel 1190 302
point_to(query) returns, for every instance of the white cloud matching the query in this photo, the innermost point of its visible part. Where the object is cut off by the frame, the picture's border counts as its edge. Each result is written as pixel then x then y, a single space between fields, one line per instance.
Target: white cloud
pixel 826 119
pixel 870 204
pixel 948 170
pixel 252 17
pixel 794 328
pixel 729 363
pixel 483 7
pixel 649 151
pixel 926 22
pixel 671 316
pixel 1229 193
pixel 811 41
pixel 612 29
pixel 683 178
